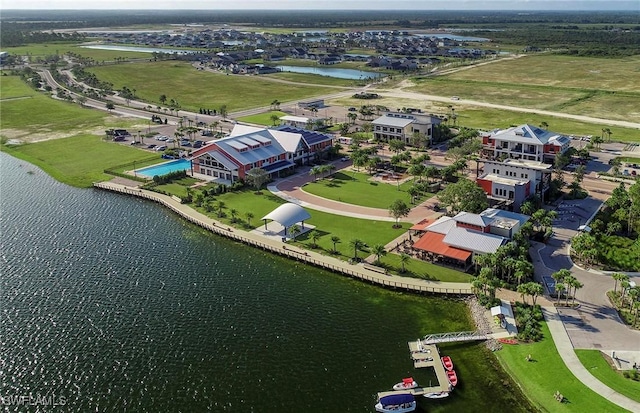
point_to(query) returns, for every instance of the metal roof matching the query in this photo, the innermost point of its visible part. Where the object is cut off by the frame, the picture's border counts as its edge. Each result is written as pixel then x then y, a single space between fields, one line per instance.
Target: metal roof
pixel 473 240
pixel 288 214
pixel 393 121
pixel 471 219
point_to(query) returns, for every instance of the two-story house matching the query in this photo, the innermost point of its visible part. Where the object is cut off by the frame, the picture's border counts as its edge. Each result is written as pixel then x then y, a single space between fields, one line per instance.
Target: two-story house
pixel 526 142
pixel 403 126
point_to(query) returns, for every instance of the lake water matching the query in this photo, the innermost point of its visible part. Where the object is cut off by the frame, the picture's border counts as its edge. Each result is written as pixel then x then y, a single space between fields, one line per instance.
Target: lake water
pixel 110 303
pixel 331 72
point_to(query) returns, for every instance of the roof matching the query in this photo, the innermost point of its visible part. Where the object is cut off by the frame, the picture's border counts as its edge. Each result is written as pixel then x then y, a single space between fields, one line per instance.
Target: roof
pixel 291 118
pixel 268 146
pixel 525 164
pixel 473 240
pixel 442 225
pixel 529 134
pixel 393 121
pixel 433 242
pixel 500 216
pixel 310 137
pixel 504 180
pixel 472 219
pixel 239 129
pixel 422 225
pixel 289 141
pixel 288 214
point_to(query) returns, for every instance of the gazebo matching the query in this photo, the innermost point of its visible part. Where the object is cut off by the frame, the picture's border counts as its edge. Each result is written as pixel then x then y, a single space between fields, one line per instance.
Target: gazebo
pixel 287 215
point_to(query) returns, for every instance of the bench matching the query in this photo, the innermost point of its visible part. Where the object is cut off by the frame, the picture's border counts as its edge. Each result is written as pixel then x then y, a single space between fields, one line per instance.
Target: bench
pixel 374 268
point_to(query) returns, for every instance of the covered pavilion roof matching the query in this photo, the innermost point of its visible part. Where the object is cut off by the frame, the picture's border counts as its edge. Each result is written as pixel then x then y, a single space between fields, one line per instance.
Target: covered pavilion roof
pixel 288 214
pixel 433 242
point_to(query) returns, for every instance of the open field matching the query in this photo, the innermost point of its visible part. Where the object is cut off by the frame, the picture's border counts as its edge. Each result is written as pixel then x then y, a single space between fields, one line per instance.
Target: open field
pixel 546 374
pixel 42 50
pixel 262 118
pixel 79 160
pixel 195 89
pixel 39 117
pixel 564 71
pixel 13 87
pixel 489 118
pixel 597 365
pixel 357 189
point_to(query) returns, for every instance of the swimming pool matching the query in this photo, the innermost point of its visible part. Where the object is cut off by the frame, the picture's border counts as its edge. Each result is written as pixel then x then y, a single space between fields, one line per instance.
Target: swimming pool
pixel 165 168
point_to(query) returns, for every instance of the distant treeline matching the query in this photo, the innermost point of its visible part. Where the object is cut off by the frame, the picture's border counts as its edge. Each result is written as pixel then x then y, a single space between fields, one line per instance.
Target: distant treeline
pixel 599 33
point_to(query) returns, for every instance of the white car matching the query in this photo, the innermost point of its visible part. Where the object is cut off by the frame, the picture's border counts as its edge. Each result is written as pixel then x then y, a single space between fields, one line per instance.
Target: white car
pixel 161 148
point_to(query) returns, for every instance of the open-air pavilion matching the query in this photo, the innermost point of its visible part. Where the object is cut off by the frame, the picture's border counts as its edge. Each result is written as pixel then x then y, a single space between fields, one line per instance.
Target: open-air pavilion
pixel 278 223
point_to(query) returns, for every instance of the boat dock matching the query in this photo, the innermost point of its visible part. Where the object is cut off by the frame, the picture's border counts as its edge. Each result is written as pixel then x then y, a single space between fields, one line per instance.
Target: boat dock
pixel 424 356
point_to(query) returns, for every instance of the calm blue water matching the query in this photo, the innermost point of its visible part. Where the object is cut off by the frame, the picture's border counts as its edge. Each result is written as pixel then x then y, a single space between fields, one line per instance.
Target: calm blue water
pixel 331 72
pixel 165 168
pixel 116 305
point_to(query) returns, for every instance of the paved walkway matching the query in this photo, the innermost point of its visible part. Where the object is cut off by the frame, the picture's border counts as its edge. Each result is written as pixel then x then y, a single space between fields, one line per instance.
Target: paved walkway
pixel 565 349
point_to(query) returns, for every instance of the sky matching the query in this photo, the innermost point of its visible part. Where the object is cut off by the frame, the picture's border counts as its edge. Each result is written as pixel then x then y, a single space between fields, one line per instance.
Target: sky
pixel 327 4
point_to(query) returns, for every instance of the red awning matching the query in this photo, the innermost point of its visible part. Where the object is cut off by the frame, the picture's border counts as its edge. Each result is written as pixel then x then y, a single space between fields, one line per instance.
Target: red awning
pixel 408 380
pixel 432 242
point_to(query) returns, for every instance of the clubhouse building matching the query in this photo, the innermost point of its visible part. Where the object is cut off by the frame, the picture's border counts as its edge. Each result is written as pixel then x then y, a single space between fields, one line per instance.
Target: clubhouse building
pixel 525 142
pixel 403 126
pixel 274 150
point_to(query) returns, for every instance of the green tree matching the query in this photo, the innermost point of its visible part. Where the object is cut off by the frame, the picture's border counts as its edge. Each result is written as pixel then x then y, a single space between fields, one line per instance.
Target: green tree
pixel 356 244
pixel 233 213
pixel 249 215
pixel 294 230
pixel 315 236
pixel 220 205
pixel 396 145
pixel 463 195
pixel 110 106
pixel 163 99
pixel 404 260
pixel 275 119
pixel 398 209
pixel 618 277
pixel 335 240
pixel 223 111
pixel 257 177
pixel 379 251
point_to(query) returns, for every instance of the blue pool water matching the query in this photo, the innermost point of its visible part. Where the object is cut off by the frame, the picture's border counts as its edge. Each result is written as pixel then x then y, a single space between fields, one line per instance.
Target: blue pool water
pixel 165 168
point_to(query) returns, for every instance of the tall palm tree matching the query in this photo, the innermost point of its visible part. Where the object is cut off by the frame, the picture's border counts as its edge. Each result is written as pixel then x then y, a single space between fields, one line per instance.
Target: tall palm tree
pixel 335 240
pixel 618 277
pixel 294 230
pixel 404 260
pixel 220 205
pixel 233 213
pixel 315 236
pixel 576 286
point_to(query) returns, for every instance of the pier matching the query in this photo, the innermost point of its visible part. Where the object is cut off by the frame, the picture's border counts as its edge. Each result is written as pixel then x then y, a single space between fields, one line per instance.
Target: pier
pixel 454 337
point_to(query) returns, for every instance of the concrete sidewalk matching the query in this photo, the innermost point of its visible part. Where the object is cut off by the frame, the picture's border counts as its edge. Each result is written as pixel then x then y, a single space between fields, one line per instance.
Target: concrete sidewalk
pixel 565 349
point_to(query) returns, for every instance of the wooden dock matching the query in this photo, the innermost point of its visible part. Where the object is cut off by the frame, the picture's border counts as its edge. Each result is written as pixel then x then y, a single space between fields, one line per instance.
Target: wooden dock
pixel 425 356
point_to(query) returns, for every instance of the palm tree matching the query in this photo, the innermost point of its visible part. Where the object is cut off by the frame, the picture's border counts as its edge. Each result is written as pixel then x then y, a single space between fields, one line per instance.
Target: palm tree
pixel 315 236
pixel 335 240
pixel 315 171
pixel 618 277
pixel 294 230
pixel 535 290
pixel 356 244
pixel 379 251
pixel 249 215
pixel 220 205
pixel 560 277
pixel 404 260
pixel 233 213
pixel 576 286
pixel 522 290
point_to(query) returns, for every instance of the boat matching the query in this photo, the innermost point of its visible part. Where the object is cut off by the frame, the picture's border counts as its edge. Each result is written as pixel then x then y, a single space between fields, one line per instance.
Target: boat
pixel 508 341
pixel 453 377
pixel 447 363
pixel 396 403
pixel 437 395
pixel 407 383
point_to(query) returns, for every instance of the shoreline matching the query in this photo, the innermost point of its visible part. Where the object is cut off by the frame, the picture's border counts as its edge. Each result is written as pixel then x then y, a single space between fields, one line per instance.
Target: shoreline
pixel 309 257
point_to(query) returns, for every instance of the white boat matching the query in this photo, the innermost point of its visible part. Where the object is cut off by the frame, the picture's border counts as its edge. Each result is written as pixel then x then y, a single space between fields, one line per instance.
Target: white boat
pixel 437 395
pixel 396 403
pixel 408 383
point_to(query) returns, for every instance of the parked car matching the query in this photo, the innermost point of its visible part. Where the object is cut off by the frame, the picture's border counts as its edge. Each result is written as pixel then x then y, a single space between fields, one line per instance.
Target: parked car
pixel 161 138
pixel 151 146
pixel 197 145
pixel 352 109
pixel 161 148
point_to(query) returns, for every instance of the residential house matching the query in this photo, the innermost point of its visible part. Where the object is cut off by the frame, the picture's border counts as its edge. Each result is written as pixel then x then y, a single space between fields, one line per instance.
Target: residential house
pixel 403 126
pixel 525 142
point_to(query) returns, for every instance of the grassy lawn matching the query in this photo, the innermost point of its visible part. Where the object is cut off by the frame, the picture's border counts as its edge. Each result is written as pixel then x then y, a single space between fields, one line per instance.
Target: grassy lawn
pixel 356 188
pixel 262 118
pixel 312 79
pixel 422 269
pixel 13 87
pixel 49 49
pixel 195 89
pixel 79 160
pixel 597 365
pixel 556 70
pixel 546 374
pixel 328 225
